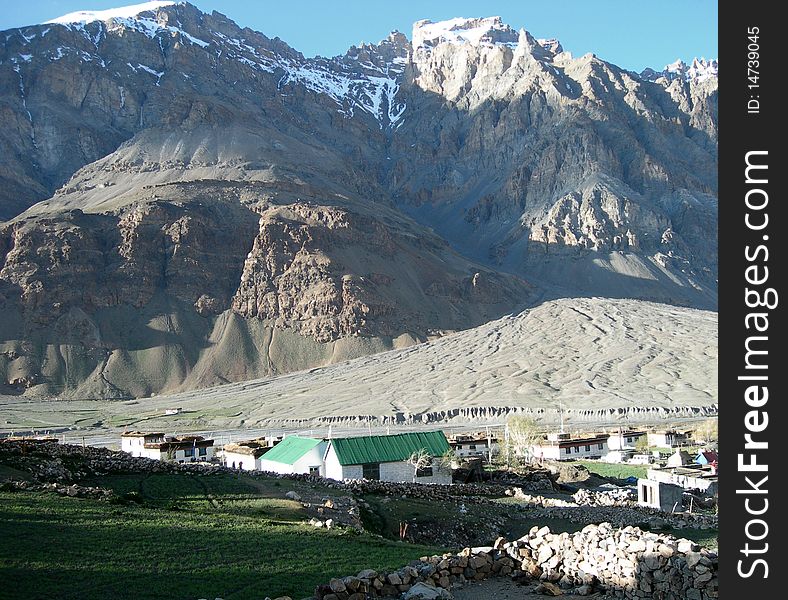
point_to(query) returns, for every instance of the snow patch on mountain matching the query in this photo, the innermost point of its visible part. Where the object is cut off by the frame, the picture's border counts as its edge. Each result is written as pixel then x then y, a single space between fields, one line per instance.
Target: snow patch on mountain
pixel 124 12
pixel 699 70
pixel 477 32
pixel 137 17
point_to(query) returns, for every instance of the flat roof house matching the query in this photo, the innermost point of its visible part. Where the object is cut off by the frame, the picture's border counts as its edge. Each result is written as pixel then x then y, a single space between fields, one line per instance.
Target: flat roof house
pixel 295 454
pixel 465 446
pixel 246 455
pixel 155 445
pixel 624 440
pixel 664 496
pixel 669 438
pixel 561 446
pixel 385 457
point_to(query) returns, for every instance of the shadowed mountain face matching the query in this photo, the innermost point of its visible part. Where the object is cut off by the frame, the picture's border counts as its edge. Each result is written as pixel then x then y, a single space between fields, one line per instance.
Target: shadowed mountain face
pixel 188 202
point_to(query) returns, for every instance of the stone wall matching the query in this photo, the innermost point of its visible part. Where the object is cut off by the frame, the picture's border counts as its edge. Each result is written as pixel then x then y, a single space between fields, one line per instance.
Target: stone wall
pixel 622 563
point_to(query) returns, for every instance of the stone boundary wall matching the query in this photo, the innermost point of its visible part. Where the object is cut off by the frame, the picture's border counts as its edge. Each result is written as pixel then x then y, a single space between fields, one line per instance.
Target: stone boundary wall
pixel 622 563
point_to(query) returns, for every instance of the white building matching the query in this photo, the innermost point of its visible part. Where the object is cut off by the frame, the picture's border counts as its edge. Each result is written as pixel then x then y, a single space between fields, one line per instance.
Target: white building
pixel 624 440
pixel 385 458
pixel 679 458
pixel 295 454
pixel 690 477
pixel 668 439
pixel 561 446
pixel 155 445
pixel 664 496
pixel 246 455
pixel 618 456
pixel 467 446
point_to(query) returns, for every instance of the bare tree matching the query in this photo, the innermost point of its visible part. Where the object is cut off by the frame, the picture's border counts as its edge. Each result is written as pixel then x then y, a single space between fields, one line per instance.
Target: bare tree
pixel 523 433
pixel 707 431
pixel 420 459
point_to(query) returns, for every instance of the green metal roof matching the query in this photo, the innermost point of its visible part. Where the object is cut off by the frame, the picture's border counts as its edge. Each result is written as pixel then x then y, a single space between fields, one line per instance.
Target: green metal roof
pixel 290 449
pixel 388 448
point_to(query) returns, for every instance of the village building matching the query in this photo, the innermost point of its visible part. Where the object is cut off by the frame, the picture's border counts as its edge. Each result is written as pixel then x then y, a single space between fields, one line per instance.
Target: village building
pixel 666 497
pixel 624 440
pixel 669 438
pixel 155 445
pixel 689 477
pixel 706 457
pixel 641 459
pixel 618 456
pixel 561 446
pixel 295 455
pixel 472 446
pixel 385 458
pixel 246 454
pixel 679 458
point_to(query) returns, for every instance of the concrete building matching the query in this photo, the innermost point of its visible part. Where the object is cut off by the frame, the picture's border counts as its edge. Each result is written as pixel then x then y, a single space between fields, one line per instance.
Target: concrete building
pixel 471 446
pixel 679 458
pixel 155 445
pixel 246 455
pixel 689 477
pixel 656 494
pixel 669 438
pixel 618 456
pixel 707 457
pixel 624 440
pixel 385 457
pixel 295 454
pixel 561 446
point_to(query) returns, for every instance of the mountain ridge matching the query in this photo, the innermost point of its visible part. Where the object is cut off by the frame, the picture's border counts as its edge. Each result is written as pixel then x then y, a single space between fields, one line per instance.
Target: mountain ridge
pixel 231 189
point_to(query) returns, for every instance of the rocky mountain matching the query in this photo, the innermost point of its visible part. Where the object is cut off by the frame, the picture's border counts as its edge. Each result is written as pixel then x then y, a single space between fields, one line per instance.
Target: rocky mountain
pixel 189 202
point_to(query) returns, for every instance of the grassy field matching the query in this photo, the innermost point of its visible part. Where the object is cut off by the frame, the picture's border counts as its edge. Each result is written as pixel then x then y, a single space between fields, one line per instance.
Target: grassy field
pixel 620 471
pixel 178 537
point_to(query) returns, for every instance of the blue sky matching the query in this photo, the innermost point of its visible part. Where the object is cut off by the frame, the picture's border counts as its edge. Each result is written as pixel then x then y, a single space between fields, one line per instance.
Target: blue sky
pixel 630 33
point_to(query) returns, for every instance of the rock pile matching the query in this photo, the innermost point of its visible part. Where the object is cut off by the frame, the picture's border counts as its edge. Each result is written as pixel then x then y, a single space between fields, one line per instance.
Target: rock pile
pixel 624 563
pixel 628 562
pixel 609 497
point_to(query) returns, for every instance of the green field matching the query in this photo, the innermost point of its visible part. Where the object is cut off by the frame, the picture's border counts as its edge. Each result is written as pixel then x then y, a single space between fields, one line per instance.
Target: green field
pixel 179 536
pixel 618 471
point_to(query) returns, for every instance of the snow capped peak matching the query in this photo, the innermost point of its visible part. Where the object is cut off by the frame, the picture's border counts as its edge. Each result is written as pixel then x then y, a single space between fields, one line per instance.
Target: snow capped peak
pixel 700 70
pixel 478 31
pixel 124 12
pixel 552 45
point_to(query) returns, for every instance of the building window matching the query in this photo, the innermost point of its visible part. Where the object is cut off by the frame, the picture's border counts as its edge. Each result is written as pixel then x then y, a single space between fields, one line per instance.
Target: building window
pixel 600 446
pixel 424 472
pixel 370 471
pixel 588 448
pixel 472 447
pixel 203 451
pixel 314 470
pixel 188 452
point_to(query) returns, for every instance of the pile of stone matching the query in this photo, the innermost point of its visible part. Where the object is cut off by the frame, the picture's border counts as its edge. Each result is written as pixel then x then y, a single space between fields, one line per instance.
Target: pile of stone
pixel 422 577
pixel 618 496
pixel 537 500
pixel 622 516
pixel 625 563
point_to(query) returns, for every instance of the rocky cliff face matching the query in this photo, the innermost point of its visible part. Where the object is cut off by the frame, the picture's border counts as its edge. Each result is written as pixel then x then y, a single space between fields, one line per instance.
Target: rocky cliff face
pixel 189 202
